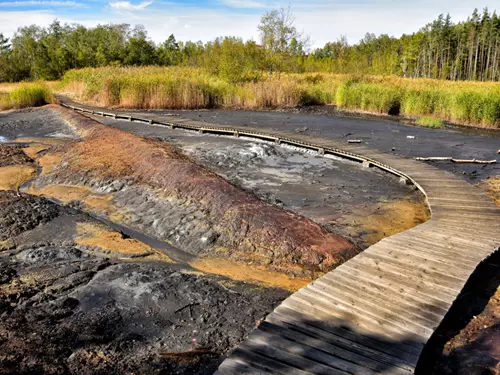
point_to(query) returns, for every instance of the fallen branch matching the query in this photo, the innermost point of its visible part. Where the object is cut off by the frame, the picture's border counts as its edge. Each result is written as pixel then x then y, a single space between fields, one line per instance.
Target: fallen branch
pixel 475 161
pixel 354 141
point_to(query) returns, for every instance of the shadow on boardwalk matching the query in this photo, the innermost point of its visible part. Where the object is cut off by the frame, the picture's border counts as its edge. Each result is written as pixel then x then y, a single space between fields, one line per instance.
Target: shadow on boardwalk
pixel 299 344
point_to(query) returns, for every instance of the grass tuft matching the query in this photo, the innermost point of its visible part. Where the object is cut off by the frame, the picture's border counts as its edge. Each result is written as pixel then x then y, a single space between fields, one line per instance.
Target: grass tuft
pixel 430 122
pixel 27 95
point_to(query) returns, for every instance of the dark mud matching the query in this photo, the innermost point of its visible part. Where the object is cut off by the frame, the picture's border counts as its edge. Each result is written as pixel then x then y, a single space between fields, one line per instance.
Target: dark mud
pixel 383 135
pixel 67 305
pixel 151 187
pixel 20 214
pixel 65 309
pixel 13 155
pixel 33 123
pixel 358 203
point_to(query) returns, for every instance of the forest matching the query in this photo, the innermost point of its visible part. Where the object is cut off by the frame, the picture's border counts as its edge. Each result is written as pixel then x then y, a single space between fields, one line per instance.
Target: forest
pixel 468 50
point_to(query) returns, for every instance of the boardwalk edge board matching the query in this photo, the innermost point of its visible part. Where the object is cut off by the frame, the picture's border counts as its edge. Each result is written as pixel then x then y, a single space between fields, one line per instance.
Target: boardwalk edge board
pixel 339 319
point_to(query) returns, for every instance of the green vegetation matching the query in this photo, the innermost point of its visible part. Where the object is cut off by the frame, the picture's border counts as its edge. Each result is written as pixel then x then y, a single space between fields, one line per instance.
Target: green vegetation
pixel 117 65
pixel 475 103
pixel 27 95
pixel 467 50
pixel 430 122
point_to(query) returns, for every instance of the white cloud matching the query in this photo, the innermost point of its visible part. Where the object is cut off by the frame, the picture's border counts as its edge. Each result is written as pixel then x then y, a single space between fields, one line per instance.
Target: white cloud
pixel 243 4
pixel 42 3
pixel 126 5
pixel 11 21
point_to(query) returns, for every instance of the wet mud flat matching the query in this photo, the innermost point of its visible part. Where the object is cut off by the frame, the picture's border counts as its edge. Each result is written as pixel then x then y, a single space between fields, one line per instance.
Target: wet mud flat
pixel 364 205
pixel 68 304
pixel 138 310
pixel 384 135
pixel 78 296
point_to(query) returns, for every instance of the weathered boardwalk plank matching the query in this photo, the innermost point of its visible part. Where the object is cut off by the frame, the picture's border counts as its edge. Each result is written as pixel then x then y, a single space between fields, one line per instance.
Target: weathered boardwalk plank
pixel 374 313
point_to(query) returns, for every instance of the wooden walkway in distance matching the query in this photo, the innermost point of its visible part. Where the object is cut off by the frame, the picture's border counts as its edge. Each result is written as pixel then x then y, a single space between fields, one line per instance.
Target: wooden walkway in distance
pixel 374 313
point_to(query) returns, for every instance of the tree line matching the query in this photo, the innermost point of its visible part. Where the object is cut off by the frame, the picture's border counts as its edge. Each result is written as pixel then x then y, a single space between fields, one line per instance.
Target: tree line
pixel 468 50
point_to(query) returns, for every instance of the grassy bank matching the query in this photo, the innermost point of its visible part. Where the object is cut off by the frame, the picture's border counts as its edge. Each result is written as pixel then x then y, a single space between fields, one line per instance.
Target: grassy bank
pixel 471 103
pixel 25 95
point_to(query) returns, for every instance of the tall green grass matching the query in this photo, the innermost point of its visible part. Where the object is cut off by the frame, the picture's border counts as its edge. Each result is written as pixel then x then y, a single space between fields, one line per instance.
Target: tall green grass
pixel 27 95
pixel 474 103
pixel 430 122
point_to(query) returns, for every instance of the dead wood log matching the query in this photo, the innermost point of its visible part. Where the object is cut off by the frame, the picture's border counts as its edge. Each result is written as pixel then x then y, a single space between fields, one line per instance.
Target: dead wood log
pixel 453 160
pixel 354 141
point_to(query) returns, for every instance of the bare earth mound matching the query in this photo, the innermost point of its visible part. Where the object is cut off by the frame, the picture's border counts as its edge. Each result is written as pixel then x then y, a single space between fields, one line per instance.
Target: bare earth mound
pixel 217 219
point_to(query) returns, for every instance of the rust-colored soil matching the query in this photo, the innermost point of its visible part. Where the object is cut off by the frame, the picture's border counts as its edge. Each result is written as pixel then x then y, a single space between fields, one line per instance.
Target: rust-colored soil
pixel 100 236
pixel 49 161
pixel 14 176
pixel 245 224
pixel 388 219
pixel 251 274
pixel 102 203
pixel 34 149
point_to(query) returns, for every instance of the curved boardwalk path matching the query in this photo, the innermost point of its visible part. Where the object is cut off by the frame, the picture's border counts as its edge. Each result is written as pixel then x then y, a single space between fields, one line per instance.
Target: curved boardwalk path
pixel 374 313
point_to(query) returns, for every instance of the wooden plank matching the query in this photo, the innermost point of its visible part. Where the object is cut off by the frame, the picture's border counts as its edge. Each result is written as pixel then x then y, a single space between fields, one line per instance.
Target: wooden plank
pixel 460 206
pixel 463 231
pixel 372 321
pixel 448 284
pixel 349 331
pixel 441 252
pixel 289 363
pixel 470 230
pixel 406 257
pixel 326 360
pixel 314 306
pixel 231 366
pixel 462 243
pixel 339 335
pixel 249 356
pixel 395 280
pixel 424 303
pixel 337 345
pixel 354 302
pixel 387 301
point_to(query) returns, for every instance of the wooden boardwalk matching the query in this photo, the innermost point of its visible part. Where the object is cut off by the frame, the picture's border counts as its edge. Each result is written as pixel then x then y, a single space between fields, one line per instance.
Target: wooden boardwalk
pixel 374 313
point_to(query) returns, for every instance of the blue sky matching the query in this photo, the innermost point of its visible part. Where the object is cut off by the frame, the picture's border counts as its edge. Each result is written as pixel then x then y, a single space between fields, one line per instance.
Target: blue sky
pixel 323 20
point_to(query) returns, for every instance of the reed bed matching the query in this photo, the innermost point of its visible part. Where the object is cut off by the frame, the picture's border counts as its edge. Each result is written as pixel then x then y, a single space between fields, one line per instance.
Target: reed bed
pixel 471 103
pixel 26 95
